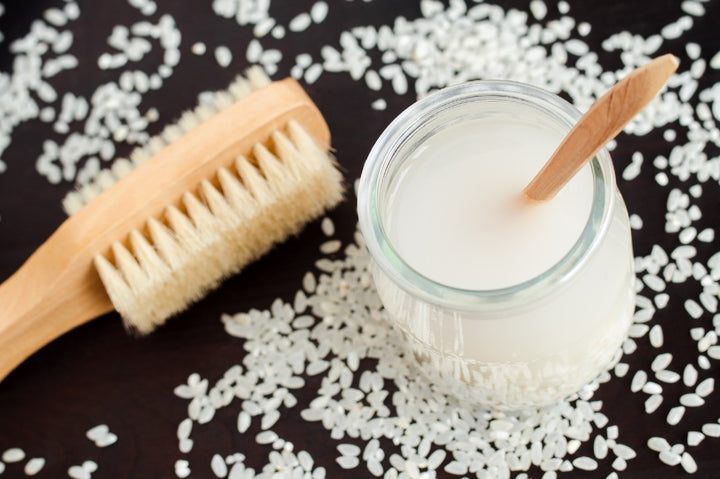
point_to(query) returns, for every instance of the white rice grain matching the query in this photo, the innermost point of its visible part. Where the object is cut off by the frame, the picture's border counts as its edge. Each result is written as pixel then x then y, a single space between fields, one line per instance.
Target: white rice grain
pixel 55 16
pixel 348 462
pixel 652 388
pixel 693 309
pixel 625 452
pixel 254 51
pixel 538 9
pixel 223 56
pixel 373 80
pixel 263 27
pixel 661 361
pixel 661 300
pixel 619 464
pixel 300 22
pixel 34 465
pixel 185 445
pixel 656 336
pixel 654 282
pixel 667 376
pixel 687 462
pixel 182 469
pixel 709 301
pixel 706 387
pixel 243 421
pixel 317 367
pixel 72 11
pixel 319 11
pixel 218 466
pixel 278 32
pixel 347 449
pixel 456 467
pixel 585 463
pixel 309 283
pixel 399 83
pixel 669 458
pixel 638 381
pixel 691 400
pixel 327 226
pixel 652 403
pixel 375 467
pixel 631 171
pixel 13 454
pixel 675 415
pixel 330 247
pixel 184 428
pixel 379 104
pixel 600 447
pixel 198 48
pixel 313 73
pixel 687 235
pixel 78 472
pixel 694 438
pixel 693 8
pixel 690 375
pixel 704 362
pixel 715 62
pixel 711 429
pixel 697 333
pixel 658 444
pixel 266 437
pixel 90 466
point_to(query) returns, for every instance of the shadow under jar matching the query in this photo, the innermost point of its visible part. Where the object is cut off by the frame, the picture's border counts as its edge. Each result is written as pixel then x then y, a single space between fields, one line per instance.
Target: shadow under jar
pixel 503 303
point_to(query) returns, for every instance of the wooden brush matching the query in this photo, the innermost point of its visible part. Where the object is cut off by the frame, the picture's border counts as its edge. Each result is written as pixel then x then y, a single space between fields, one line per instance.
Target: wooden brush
pixel 218 190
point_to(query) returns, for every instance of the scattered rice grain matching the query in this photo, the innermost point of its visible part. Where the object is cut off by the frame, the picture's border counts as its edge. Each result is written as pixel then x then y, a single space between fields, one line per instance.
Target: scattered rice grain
pixel 348 462
pixel 34 466
pixel 13 454
pixel 652 403
pixel 379 104
pixel 675 415
pixel 330 247
pixel 711 429
pixel 218 466
pixel 694 438
pixel 223 56
pixel 300 22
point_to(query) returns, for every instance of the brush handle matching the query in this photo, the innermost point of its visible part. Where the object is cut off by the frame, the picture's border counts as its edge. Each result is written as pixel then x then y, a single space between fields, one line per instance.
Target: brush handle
pixel 58 288
pixel 55 290
pixel 602 122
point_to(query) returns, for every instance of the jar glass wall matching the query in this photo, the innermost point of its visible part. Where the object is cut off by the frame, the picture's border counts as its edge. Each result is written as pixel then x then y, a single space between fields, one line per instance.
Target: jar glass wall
pixel 529 344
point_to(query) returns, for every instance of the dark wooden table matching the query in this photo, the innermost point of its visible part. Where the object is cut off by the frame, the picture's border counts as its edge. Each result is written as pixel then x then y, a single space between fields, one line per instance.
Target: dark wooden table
pixel 98 374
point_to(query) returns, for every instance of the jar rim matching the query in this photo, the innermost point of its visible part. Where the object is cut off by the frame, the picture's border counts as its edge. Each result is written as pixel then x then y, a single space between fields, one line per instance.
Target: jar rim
pixel 384 152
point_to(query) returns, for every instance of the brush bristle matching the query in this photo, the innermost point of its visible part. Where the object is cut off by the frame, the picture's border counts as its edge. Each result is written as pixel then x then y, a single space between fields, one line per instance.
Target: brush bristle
pixel 255 78
pixel 223 228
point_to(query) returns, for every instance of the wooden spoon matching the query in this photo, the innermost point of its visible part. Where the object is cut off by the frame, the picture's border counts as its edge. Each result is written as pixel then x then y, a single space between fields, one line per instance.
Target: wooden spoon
pixel 602 122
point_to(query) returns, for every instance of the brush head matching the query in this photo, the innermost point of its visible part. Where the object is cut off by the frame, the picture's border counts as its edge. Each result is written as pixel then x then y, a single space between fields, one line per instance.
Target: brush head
pixel 251 187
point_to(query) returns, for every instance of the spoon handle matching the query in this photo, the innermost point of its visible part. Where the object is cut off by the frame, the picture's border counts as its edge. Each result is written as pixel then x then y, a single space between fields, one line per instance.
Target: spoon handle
pixel 602 122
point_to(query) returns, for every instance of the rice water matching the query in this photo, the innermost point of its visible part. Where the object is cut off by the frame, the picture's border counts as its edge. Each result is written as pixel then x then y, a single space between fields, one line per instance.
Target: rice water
pixel 504 303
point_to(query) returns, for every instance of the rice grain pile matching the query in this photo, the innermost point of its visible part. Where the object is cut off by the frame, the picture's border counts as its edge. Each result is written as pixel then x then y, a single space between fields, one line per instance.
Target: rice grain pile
pixel 450 45
pixel 380 415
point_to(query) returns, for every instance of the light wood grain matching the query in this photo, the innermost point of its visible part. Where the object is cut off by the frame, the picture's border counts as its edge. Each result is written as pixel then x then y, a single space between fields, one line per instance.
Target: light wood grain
pixel 602 122
pixel 58 289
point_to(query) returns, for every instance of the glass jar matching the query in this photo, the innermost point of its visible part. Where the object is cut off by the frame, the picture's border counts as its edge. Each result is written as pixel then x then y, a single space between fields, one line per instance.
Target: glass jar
pixel 529 344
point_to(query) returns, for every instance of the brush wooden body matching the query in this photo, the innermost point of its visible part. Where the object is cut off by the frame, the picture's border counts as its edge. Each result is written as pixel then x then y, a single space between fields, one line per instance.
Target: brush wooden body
pixel 58 288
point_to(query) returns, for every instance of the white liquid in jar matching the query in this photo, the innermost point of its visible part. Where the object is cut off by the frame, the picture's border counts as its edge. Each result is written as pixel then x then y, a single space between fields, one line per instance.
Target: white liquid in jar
pixel 455 214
